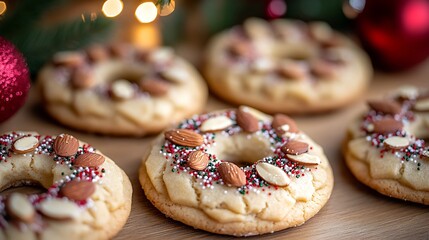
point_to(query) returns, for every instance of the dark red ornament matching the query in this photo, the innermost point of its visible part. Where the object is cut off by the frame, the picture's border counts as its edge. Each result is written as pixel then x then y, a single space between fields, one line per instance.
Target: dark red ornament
pixel 395 32
pixel 14 80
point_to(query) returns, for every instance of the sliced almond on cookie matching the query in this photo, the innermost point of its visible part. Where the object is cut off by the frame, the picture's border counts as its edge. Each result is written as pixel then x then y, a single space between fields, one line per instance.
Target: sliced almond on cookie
pixel 198 160
pixel 397 142
pixel 59 209
pixel 422 105
pixel 25 145
pixel 247 121
pixel 89 160
pixel 387 125
pixel 122 89
pixel 231 174
pixel 175 74
pixel 282 124
pixel 20 208
pixel 272 174
pixel 305 159
pixel 385 106
pixel 66 145
pixel 215 124
pixel 78 190
pixel 294 147
pixel 184 137
pixel 256 113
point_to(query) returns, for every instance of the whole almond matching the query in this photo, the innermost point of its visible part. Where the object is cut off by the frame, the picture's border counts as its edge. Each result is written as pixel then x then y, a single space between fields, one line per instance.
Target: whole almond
pixel 385 106
pixel 184 137
pixel 293 70
pixel 304 159
pixel 231 174
pixel 83 77
pixel 69 59
pixel 322 68
pixel 89 160
pixel 66 145
pixel 59 209
pixel 155 87
pixel 387 125
pixel 397 142
pixel 247 121
pixel 25 145
pixel 294 147
pixel 272 174
pixel 20 208
pixel 78 190
pixel 198 160
pixel 121 50
pixel 215 124
pixel 282 124
pixel 97 53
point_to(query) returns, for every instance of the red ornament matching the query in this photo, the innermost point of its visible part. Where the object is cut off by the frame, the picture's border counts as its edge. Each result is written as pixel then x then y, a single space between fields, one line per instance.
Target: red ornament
pixel 14 80
pixel 395 32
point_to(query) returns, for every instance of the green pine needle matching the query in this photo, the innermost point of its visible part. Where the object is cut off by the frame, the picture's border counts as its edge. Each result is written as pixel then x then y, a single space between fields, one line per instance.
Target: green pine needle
pixel 37 43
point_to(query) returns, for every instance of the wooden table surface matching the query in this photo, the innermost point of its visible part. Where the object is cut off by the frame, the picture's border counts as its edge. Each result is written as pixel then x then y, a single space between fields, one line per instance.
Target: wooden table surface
pixel 354 210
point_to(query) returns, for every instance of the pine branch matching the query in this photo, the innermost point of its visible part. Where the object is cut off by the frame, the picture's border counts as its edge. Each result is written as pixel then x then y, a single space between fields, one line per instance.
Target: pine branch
pixel 41 44
pixel 162 3
pixel 25 15
pixel 38 44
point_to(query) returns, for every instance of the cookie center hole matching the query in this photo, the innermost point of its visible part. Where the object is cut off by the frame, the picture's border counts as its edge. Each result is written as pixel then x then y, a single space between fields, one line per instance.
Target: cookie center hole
pixel 241 149
pixel 26 187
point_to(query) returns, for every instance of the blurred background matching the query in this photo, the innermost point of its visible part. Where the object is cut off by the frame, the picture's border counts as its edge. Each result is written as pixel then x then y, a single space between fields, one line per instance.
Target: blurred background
pixel 394 32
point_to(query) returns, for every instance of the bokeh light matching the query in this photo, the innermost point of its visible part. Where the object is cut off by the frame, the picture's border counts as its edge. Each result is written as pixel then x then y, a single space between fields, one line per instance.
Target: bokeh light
pixel 167 9
pixel 112 8
pixel 2 7
pixel 146 12
pixel 276 8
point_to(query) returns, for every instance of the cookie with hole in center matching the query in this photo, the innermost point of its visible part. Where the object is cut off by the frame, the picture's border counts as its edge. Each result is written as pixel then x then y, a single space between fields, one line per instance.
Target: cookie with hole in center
pixel 385 147
pixel 237 172
pixel 87 195
pixel 286 66
pixel 121 90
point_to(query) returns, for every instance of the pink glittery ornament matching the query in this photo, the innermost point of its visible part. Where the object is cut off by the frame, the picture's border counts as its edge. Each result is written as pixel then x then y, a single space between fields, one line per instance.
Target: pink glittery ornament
pixel 14 80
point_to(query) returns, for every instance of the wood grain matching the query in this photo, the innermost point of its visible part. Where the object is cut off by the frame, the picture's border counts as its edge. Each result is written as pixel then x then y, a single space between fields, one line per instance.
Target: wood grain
pixel 354 210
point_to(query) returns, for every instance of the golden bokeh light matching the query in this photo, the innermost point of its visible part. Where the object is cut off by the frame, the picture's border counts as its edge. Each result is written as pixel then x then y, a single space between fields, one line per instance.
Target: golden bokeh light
pixel 2 7
pixel 112 8
pixel 146 12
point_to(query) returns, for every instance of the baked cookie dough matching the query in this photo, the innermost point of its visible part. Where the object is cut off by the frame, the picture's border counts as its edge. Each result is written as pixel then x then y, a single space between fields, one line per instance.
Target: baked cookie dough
pixel 286 66
pixel 120 90
pixel 237 172
pixel 385 148
pixel 87 195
